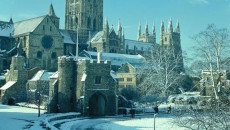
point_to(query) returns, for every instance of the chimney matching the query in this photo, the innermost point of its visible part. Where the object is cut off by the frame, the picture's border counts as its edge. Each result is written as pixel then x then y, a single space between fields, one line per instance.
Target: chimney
pixel 98 57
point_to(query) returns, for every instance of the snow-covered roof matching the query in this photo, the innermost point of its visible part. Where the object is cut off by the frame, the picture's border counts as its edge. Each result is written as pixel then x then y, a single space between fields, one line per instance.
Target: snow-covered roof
pixel 2 77
pixel 114 76
pixel 42 75
pixel 131 44
pixel 67 37
pixel 83 77
pixel 97 37
pixel 54 75
pixel 118 59
pixel 27 26
pixel 8 85
pixel 6 29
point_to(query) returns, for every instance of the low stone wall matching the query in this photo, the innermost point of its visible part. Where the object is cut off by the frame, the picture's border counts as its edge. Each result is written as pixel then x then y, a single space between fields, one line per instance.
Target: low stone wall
pixel 48 120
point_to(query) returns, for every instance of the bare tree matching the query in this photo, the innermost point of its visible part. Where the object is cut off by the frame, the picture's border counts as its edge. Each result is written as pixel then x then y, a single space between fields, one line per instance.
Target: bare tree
pixel 160 72
pixel 211 52
pixel 211 48
pixel 214 115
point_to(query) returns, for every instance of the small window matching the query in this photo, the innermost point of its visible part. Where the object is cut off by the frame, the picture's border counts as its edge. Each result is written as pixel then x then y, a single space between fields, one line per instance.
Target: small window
pixel 129 79
pixel 121 79
pixel 50 28
pixel 44 27
pixel 98 80
pixel 54 55
pixel 47 20
pixel 166 39
pixel 39 55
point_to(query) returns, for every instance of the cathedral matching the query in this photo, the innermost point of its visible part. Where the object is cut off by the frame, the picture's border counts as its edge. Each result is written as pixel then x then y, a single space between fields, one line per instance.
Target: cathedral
pixel 74 55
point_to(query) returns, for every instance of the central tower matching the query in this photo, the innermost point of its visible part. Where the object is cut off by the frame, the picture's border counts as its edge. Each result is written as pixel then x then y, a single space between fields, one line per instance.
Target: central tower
pixel 84 15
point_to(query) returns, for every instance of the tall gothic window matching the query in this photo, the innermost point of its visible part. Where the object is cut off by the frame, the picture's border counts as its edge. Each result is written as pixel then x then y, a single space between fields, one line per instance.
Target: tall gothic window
pixel 76 20
pixel 89 23
pixel 39 54
pixel 54 55
pixel 94 25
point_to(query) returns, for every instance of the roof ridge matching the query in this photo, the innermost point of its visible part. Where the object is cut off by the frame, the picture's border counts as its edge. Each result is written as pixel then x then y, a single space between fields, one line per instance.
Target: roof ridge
pixel 31 19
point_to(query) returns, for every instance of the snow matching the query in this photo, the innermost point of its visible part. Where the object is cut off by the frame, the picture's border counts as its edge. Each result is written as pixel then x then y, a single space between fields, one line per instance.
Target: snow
pixel 2 77
pixel 8 85
pixel 83 77
pixel 67 37
pixel 22 26
pixel 42 75
pixel 118 59
pixel 8 30
pixel 163 122
pixel 26 118
pixel 97 37
pixel 15 118
pixel 137 44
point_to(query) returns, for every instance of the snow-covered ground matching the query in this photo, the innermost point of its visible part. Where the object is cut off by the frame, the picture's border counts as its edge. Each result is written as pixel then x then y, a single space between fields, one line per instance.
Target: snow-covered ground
pixel 163 122
pixel 17 118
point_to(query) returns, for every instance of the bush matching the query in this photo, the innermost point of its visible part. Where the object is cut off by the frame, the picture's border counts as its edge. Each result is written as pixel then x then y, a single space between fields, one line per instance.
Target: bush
pixel 130 93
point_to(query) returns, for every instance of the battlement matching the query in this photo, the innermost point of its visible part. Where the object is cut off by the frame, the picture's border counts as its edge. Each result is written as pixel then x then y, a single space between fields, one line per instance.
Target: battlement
pixel 66 59
pixel 92 61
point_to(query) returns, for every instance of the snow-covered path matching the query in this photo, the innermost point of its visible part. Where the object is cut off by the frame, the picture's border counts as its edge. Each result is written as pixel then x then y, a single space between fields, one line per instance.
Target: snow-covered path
pixel 163 122
pixel 17 118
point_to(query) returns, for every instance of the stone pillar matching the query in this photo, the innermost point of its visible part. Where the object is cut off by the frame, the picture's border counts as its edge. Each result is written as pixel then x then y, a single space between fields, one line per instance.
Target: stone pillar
pixel 66 85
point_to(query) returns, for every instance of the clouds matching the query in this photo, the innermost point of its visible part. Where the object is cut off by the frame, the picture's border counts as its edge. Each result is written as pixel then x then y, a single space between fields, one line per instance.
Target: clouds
pixel 198 1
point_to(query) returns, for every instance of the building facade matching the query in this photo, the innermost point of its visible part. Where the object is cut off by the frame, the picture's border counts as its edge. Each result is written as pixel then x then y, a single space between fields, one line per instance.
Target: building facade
pixel 84 16
pixel 79 86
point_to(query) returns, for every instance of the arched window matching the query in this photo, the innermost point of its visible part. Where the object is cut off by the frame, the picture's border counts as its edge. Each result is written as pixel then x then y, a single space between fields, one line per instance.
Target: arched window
pixel 95 49
pixel 54 55
pixel 3 45
pixel 89 23
pixel 76 20
pixel 39 54
pixel 94 24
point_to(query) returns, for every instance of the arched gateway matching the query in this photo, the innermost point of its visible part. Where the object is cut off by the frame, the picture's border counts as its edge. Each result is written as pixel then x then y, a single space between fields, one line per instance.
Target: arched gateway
pixel 97 104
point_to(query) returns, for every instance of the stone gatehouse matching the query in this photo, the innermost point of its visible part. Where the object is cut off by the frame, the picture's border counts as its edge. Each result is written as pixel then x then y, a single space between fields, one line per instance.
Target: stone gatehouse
pixel 83 85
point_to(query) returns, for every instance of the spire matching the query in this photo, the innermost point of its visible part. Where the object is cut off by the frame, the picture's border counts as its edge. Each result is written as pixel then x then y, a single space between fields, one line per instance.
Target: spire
pixel 146 29
pixel 11 20
pixel 162 27
pixel 139 30
pixel 123 36
pixel 170 26
pixel 154 30
pixel 177 29
pixel 119 29
pixel 106 26
pixel 51 11
pixel 106 23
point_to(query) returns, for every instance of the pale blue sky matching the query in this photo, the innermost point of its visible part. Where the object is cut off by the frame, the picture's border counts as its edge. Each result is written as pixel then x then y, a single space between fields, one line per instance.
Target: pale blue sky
pixel 194 15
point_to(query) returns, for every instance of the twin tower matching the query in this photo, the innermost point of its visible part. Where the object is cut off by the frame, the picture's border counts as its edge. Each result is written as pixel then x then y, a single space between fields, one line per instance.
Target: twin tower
pixel 86 16
pixel 167 35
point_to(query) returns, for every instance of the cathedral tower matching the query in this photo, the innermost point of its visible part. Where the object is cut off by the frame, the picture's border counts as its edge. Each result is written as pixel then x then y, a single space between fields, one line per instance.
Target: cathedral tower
pixel 171 39
pixel 146 36
pixel 86 15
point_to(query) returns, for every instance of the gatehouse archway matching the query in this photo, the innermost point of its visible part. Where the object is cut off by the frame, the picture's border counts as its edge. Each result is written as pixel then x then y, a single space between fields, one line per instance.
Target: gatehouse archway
pixel 97 104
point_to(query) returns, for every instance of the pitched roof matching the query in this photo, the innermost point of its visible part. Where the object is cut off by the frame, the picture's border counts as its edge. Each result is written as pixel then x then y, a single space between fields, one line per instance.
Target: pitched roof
pixel 27 26
pixel 145 46
pixel 6 29
pixel 118 59
pixel 8 85
pixel 97 37
pixel 42 75
pixel 67 37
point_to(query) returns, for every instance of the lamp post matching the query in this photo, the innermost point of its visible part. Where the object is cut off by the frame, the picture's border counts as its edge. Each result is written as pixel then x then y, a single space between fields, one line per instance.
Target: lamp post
pixel 155 121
